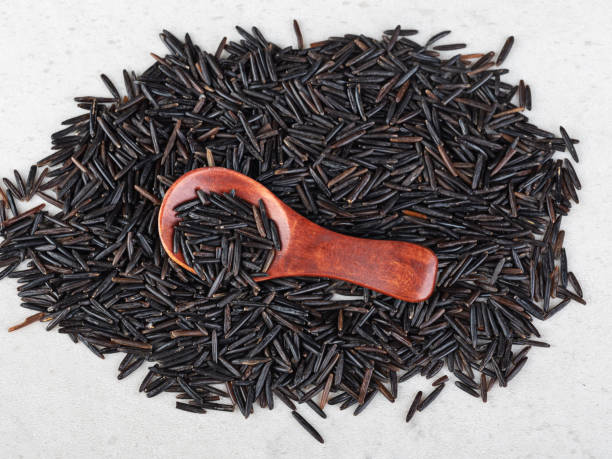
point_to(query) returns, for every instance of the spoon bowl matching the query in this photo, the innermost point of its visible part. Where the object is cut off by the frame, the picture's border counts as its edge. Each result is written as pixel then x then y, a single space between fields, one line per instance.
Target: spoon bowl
pixel 399 269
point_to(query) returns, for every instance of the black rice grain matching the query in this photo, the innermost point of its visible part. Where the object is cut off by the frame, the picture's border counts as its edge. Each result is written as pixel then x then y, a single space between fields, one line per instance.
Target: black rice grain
pixel 414 405
pixel 430 398
pixel 309 428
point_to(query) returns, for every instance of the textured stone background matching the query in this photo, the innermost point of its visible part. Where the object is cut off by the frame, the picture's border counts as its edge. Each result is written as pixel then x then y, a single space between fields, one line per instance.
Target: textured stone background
pixel 60 401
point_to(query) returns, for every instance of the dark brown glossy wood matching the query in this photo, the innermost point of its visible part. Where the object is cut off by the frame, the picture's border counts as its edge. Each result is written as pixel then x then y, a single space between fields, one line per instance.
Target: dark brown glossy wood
pixel 399 269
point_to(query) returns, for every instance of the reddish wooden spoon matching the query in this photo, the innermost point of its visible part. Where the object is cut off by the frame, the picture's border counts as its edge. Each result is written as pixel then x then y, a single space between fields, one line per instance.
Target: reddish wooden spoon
pixel 399 269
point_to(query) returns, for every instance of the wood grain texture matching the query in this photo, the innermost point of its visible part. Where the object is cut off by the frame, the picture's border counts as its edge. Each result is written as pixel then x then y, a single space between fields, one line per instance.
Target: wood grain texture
pixel 398 269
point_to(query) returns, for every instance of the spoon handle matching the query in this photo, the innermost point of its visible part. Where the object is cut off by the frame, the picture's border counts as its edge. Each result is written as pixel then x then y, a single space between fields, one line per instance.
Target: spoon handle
pixel 399 269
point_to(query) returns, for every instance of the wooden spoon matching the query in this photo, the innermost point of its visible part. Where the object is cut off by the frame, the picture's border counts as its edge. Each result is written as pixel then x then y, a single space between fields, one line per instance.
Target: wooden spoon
pixel 398 269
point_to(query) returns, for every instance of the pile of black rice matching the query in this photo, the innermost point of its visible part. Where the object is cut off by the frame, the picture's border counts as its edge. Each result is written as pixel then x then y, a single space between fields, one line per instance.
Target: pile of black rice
pixel 383 139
